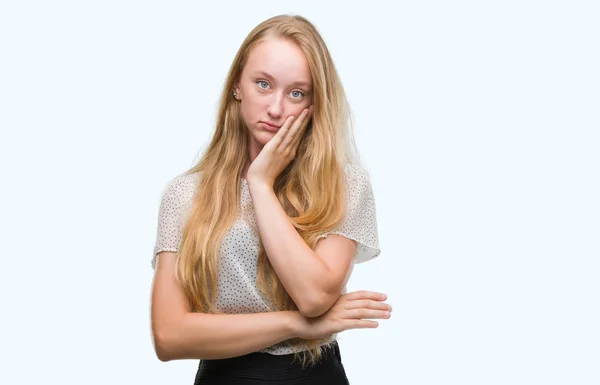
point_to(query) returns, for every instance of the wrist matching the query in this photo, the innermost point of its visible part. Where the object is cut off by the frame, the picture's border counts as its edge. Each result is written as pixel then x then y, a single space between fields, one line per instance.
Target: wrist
pixel 294 321
pixel 258 185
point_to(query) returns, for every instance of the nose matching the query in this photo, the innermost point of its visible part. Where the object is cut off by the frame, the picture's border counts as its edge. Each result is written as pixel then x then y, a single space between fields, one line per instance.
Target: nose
pixel 275 107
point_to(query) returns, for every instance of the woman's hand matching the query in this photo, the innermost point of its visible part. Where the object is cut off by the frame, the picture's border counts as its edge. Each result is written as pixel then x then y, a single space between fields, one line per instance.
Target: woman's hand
pixel 351 311
pixel 279 151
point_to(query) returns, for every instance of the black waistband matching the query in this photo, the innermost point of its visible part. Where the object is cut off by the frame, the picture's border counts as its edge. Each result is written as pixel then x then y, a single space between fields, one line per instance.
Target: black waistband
pixel 267 359
pixel 264 366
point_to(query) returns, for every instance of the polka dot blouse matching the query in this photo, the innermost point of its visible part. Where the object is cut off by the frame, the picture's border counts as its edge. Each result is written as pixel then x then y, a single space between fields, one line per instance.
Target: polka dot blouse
pixel 237 290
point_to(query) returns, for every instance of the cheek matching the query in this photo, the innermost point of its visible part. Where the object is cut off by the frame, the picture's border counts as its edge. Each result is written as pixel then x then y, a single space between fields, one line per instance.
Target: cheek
pixel 252 103
pixel 297 109
pixel 249 111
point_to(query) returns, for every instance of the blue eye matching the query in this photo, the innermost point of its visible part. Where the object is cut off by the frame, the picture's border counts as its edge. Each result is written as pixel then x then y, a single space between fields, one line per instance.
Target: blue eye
pixel 298 92
pixel 262 82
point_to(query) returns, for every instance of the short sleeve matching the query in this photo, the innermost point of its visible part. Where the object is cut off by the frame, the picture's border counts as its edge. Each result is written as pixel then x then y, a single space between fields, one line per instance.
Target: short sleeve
pixel 174 207
pixel 360 221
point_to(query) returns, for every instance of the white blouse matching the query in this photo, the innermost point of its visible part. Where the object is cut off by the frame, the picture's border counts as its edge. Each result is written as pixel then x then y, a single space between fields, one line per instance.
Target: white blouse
pixel 237 290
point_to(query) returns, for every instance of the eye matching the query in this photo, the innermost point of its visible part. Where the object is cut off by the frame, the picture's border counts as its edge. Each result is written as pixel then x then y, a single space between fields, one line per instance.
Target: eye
pixel 260 84
pixel 297 94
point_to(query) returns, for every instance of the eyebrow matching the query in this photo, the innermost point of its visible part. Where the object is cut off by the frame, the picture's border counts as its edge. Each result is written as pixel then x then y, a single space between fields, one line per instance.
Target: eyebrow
pixel 297 83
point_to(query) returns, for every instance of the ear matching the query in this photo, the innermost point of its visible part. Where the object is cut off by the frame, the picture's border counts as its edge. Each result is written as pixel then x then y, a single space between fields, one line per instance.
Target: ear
pixel 236 91
pixel 236 87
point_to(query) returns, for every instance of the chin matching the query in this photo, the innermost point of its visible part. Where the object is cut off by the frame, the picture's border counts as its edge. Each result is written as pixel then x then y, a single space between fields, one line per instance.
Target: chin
pixel 265 137
pixel 262 137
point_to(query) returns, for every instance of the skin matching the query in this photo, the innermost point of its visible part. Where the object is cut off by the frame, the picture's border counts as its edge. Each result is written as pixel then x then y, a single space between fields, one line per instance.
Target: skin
pixel 180 333
pixel 275 85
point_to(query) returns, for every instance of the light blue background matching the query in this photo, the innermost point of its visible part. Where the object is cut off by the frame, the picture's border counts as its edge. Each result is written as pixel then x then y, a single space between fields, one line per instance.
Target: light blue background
pixel 479 122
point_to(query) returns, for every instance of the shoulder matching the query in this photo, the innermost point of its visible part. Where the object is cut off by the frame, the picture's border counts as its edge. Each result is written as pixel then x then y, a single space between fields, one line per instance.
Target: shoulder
pixel 181 188
pixel 356 175
pixel 183 184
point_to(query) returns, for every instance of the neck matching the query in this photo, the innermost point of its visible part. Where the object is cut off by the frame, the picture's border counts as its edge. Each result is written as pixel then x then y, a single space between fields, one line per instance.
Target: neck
pixel 253 151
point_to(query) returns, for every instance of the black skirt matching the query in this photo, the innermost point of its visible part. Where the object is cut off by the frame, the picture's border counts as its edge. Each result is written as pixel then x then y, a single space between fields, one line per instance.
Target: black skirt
pixel 264 368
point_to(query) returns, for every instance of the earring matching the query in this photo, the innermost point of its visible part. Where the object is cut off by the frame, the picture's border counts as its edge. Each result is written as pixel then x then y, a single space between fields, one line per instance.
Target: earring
pixel 235 95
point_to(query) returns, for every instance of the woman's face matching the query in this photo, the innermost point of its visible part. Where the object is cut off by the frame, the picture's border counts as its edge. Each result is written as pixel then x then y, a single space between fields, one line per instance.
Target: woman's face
pixel 275 84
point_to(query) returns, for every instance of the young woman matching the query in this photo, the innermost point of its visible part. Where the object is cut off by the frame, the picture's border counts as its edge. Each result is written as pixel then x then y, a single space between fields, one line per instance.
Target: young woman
pixel 255 244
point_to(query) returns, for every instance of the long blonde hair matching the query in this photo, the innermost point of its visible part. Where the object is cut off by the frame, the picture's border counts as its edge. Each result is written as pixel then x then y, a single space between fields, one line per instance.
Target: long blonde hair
pixel 311 189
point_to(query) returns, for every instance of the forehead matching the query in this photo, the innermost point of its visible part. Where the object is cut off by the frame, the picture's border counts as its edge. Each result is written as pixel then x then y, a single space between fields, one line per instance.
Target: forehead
pixel 280 58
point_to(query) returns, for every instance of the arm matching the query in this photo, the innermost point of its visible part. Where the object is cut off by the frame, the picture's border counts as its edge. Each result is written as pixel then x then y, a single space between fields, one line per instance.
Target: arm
pixel 313 278
pixel 181 334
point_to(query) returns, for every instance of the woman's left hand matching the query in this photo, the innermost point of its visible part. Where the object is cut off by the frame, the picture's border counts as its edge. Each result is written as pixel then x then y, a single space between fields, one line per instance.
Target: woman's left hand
pixel 279 151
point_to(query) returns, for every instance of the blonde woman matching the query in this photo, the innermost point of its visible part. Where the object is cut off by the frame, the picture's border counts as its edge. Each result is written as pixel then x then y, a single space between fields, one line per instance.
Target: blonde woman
pixel 255 244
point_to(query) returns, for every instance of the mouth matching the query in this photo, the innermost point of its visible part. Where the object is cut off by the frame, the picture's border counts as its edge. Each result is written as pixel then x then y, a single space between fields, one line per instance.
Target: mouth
pixel 269 126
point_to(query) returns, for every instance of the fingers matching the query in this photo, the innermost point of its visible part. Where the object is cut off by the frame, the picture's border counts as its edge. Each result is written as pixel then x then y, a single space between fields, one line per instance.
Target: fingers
pixel 361 324
pixel 357 324
pixel 299 133
pixel 364 304
pixel 367 304
pixel 293 130
pixel 280 136
pixel 366 314
pixel 355 310
pixel 365 294
pixel 360 319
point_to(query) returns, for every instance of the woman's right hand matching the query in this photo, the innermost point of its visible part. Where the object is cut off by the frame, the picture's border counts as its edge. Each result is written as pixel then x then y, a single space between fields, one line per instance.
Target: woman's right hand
pixel 351 311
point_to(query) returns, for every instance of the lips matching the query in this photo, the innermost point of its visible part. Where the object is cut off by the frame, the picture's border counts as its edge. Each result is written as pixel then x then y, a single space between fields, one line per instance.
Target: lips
pixel 270 126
